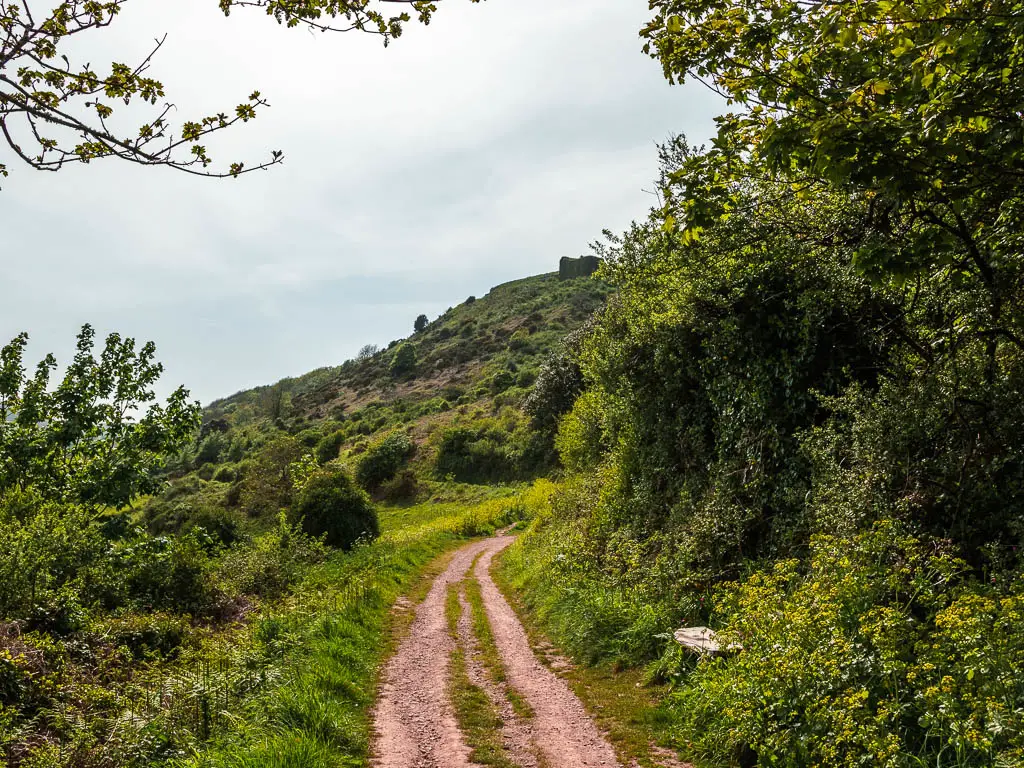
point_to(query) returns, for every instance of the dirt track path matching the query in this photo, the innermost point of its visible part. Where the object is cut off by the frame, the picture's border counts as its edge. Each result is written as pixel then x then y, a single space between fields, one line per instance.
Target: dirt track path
pixel 414 722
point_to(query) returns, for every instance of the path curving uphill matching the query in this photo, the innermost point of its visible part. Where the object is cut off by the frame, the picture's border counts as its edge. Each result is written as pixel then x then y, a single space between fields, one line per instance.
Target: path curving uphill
pixel 414 721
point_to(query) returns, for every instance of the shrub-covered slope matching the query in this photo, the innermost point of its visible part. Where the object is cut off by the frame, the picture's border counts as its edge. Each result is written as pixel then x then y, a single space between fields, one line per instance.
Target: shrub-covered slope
pixel 444 404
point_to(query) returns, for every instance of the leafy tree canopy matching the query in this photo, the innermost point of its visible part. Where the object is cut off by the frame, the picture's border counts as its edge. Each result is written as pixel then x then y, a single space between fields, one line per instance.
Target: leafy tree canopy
pixel 84 441
pixel 913 108
pixel 54 111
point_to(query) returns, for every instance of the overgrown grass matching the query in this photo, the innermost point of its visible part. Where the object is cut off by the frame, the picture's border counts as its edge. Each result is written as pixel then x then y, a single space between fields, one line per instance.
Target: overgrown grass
pixel 312 705
pixel 478 719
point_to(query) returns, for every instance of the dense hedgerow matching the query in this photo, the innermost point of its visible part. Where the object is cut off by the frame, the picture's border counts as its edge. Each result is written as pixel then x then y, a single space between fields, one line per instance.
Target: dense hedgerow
pixel 826 468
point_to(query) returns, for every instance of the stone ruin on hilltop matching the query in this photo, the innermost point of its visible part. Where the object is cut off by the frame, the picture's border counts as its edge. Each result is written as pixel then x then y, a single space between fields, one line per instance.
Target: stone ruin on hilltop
pixel 584 266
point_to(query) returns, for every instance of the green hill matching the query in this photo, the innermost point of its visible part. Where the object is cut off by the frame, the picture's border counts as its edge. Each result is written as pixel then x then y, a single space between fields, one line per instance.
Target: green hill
pixel 464 356
pixel 450 396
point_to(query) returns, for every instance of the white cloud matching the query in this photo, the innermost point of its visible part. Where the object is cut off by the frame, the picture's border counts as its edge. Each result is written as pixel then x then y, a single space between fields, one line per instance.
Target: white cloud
pixel 480 149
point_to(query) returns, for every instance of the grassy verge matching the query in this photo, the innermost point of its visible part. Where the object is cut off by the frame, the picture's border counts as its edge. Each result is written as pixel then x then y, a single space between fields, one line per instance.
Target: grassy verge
pixel 629 712
pixel 311 704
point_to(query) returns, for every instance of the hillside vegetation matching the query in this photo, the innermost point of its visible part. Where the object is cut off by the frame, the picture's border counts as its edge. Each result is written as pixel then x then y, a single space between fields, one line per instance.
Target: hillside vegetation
pixel 165 572
pixel 789 407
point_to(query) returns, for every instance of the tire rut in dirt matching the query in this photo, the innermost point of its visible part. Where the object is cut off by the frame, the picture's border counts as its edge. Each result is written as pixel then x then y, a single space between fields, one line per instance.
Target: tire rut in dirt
pixel 562 730
pixel 414 723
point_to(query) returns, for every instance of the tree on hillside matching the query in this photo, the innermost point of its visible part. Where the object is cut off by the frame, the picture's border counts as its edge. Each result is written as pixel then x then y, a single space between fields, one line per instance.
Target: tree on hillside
pixel 403 363
pixel 367 351
pixel 54 112
pixel 96 437
pixel 421 323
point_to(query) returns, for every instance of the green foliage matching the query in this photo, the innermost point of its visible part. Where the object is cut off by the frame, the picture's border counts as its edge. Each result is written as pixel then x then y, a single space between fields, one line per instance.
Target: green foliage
pixel 594 591
pixel 267 486
pixel 471 454
pixel 558 384
pixel 150 637
pixel 163 573
pixel 403 361
pixel 907 102
pixel 81 442
pixel 876 652
pixel 275 561
pixel 44 547
pixel 332 506
pixel 802 416
pixel 221 525
pixel 708 367
pixel 580 439
pixel 403 487
pixel 328 448
pixel 421 323
pixel 490 449
pixel 383 459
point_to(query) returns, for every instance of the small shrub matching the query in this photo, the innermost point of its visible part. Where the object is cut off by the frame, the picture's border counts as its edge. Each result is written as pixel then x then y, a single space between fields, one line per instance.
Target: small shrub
pixel 60 614
pixel 526 378
pixel 520 339
pixel 225 474
pixel 470 455
pixel 327 449
pixel 383 459
pixel 332 506
pixel 501 381
pixel 153 636
pixel 274 562
pixel 219 524
pixel 403 362
pixel 557 386
pixel 402 487
pixel 309 437
pixel 166 572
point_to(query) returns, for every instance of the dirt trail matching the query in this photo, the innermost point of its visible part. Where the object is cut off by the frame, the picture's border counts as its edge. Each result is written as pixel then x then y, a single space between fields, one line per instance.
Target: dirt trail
pixel 414 722
pixel 563 730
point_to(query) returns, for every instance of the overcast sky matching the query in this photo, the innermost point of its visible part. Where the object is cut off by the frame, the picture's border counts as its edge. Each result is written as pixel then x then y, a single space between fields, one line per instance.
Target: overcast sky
pixel 477 150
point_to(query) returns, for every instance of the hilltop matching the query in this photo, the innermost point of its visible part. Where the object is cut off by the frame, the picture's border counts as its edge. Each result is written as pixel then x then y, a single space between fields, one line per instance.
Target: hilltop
pixel 480 348
pixel 445 404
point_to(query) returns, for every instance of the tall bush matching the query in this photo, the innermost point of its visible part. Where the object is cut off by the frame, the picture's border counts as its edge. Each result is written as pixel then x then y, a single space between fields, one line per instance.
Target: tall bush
pixel 332 506
pixel 383 459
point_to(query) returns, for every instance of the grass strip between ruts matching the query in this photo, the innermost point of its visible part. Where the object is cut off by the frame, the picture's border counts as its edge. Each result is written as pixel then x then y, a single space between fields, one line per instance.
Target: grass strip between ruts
pixel 478 719
pixel 489 654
